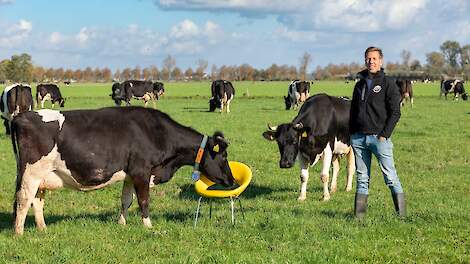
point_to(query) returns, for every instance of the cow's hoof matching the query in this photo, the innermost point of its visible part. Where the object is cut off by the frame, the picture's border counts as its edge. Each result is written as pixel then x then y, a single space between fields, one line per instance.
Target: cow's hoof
pixel 122 220
pixel 147 223
pixel 325 198
pixel 348 189
pixel 301 198
pixel 42 228
pixel 333 190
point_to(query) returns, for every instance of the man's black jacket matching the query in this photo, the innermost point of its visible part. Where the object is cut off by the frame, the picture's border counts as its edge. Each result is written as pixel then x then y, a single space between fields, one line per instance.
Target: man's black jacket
pixel 375 110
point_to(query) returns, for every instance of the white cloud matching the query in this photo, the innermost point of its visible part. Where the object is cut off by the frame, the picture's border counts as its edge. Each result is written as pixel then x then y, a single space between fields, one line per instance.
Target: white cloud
pixel 82 36
pixel 184 30
pixel 15 34
pixel 55 38
pixel 6 2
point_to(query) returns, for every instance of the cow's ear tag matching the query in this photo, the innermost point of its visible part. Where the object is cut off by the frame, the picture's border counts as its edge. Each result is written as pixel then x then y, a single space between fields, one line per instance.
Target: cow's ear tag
pixel 216 148
pixel 304 135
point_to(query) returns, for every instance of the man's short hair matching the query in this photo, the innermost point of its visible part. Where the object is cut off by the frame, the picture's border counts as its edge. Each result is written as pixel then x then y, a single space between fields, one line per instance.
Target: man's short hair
pixel 371 49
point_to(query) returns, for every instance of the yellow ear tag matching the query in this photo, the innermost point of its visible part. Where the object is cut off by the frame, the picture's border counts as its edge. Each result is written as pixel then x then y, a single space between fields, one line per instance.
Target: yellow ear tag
pixel 216 148
pixel 304 135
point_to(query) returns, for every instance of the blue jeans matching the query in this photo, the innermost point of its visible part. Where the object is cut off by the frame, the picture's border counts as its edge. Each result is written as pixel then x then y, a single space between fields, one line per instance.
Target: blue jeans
pixel 363 146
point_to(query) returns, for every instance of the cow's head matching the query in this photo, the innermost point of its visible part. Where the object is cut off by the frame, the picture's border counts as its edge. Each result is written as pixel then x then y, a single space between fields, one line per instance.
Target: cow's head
pixel 214 103
pixel 214 163
pixel 158 89
pixel 117 92
pixel 288 141
pixel 288 102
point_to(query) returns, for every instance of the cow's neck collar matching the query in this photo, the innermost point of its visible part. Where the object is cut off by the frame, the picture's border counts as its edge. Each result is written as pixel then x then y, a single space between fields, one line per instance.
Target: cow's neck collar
pixel 200 152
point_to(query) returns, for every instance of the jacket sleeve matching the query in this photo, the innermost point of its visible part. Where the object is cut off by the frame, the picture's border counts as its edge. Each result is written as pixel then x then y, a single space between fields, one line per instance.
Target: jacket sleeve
pixel 392 105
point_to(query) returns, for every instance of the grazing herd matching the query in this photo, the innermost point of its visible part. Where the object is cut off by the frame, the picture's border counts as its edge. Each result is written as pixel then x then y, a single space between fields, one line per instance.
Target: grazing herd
pixel 142 147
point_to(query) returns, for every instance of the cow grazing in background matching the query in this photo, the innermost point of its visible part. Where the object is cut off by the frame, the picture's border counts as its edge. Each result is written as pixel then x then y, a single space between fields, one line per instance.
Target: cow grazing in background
pixel 46 92
pixel 455 86
pixel 90 149
pixel 297 93
pixel 140 90
pixel 222 93
pixel 15 99
pixel 320 130
pixel 406 91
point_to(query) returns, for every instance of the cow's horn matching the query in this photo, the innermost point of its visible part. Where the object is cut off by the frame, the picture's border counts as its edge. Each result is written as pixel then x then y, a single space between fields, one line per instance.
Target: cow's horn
pixel 222 139
pixel 298 125
pixel 272 128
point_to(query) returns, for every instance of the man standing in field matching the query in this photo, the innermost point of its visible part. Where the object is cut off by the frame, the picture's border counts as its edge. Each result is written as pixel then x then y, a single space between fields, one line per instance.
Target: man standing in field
pixel 375 110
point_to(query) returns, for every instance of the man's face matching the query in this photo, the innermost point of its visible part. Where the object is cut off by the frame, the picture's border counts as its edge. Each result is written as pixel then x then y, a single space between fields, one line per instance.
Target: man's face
pixel 373 61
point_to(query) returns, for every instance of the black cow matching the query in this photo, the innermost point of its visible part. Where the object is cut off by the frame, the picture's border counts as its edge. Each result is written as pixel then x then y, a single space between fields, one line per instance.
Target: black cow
pixel 15 99
pixel 45 92
pixel 406 91
pixel 222 93
pixel 297 93
pixel 320 130
pixel 90 149
pixel 141 90
pixel 455 86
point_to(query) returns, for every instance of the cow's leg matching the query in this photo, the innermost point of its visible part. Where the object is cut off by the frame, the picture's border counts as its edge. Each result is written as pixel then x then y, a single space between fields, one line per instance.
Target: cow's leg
pixel 52 104
pixel 24 199
pixel 351 169
pixel 154 103
pixel 126 199
pixel 325 172
pixel 38 208
pixel 303 178
pixel 42 103
pixel 228 106
pixel 141 185
pixel 145 104
pixel 334 179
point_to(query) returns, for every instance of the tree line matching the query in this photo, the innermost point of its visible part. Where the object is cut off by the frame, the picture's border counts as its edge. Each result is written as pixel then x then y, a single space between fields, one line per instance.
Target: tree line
pixel 453 60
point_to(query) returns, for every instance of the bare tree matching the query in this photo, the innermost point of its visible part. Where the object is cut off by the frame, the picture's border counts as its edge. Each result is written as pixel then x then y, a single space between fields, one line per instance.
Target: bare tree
pixel 168 64
pixel 201 67
pixel 304 62
pixel 406 58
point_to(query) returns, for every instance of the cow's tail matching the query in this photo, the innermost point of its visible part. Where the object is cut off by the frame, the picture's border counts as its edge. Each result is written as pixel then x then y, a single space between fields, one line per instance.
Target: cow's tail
pixel 14 142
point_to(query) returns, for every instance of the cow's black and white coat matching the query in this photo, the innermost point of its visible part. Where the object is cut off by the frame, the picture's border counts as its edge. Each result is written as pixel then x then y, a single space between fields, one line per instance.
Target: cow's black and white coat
pixel 46 92
pixel 455 86
pixel 222 93
pixel 320 131
pixel 297 93
pixel 140 90
pixel 90 149
pixel 15 99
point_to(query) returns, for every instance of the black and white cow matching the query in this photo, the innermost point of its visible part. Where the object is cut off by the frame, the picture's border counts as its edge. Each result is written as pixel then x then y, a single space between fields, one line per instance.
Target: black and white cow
pixel 45 92
pixel 455 86
pixel 297 93
pixel 320 130
pixel 222 93
pixel 141 90
pixel 90 149
pixel 15 99
pixel 406 91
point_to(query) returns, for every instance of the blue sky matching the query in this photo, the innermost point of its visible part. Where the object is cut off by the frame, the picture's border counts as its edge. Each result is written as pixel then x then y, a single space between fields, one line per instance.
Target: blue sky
pixel 129 33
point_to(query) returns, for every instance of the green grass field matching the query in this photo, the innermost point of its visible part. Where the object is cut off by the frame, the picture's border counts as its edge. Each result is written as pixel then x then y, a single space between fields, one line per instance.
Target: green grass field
pixel 432 156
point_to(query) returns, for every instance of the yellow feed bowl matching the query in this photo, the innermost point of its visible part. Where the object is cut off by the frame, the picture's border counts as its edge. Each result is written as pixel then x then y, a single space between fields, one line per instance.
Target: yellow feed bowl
pixel 240 172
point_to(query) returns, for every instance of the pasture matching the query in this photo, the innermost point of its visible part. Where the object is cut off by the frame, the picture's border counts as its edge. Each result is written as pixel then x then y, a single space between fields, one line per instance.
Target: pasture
pixel 432 156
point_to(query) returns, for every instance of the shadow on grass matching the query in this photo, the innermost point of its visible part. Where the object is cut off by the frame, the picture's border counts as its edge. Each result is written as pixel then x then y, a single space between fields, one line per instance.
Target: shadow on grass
pixel 336 214
pixel 251 192
pixel 6 219
pixel 196 109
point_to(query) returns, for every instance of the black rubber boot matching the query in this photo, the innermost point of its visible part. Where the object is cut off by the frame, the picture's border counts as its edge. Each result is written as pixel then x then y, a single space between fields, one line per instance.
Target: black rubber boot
pixel 400 205
pixel 360 205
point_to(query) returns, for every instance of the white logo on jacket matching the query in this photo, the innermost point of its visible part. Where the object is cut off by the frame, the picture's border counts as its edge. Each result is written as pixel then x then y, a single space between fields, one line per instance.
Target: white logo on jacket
pixel 377 89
